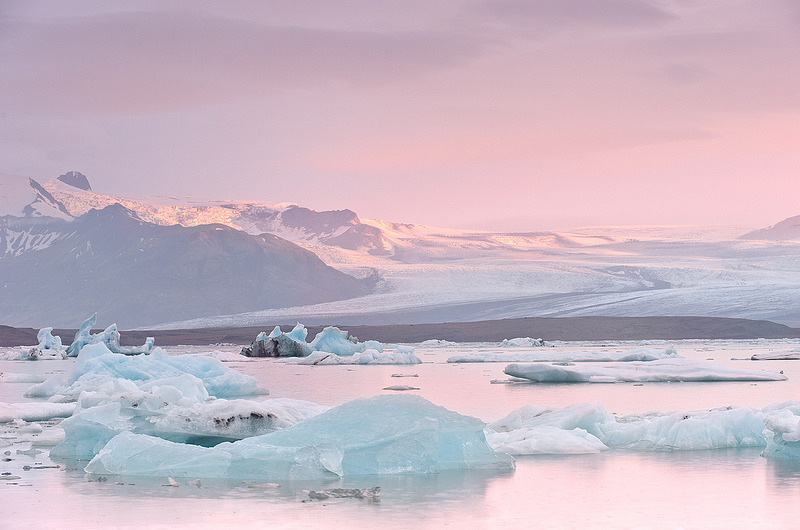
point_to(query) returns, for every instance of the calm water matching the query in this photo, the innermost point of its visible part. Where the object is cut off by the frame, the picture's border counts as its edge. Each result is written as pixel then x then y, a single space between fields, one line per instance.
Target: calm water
pixel 701 489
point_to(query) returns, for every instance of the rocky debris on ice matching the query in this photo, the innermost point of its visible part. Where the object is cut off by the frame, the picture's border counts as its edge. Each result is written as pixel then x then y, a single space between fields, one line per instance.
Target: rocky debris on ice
pixel 638 354
pixel 369 436
pixel 365 494
pixel 279 344
pixel 524 342
pixel 49 346
pixel 672 369
pixel 110 337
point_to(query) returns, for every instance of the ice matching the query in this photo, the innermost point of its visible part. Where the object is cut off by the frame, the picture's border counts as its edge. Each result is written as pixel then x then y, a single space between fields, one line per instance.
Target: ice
pixel 436 343
pixel 638 354
pixel 523 342
pixel 49 346
pixel 96 363
pixel 589 428
pixel 34 411
pixel 279 344
pixel 782 427
pixel 110 337
pixel 368 356
pixel 368 436
pixel 9 377
pixel 793 355
pixel 334 340
pixel 50 387
pixel 674 369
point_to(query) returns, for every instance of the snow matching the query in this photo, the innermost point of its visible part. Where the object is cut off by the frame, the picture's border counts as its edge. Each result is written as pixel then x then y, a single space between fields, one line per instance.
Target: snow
pixel 674 369
pixel 368 436
pixel 638 354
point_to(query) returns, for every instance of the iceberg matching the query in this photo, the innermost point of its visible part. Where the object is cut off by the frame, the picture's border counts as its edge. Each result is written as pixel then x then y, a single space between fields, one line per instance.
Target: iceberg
pixel 96 364
pixel 782 427
pixel 524 342
pixel 110 337
pixel 793 355
pixel 368 356
pixel 673 369
pixel 49 346
pixel 34 411
pixel 589 428
pixel 279 344
pixel 639 354
pixel 368 436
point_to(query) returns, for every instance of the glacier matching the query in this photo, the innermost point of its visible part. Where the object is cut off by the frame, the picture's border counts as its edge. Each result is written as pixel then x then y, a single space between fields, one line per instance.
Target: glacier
pixel 671 369
pixel 638 354
pixel 367 436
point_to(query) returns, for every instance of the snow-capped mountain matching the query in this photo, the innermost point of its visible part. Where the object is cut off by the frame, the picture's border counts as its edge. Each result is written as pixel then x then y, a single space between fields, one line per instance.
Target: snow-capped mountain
pixel 139 273
pixel 24 197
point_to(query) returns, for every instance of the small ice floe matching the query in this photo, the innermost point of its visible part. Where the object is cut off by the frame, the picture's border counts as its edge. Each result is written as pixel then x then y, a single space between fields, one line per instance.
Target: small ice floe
pixel 8 377
pixel 405 375
pixel 400 388
pixel 524 342
pixel 436 343
pixel 677 370
pixel 34 411
pixel 639 354
pixel 783 356
pixel 366 357
pixel 365 494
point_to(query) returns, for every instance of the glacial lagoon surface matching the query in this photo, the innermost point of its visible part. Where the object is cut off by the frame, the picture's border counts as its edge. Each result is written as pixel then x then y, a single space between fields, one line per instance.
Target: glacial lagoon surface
pixel 730 488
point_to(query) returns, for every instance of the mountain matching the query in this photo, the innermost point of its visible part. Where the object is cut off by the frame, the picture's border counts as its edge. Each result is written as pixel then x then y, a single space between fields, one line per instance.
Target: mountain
pixel 138 273
pixel 786 230
pixel 76 180
pixel 24 197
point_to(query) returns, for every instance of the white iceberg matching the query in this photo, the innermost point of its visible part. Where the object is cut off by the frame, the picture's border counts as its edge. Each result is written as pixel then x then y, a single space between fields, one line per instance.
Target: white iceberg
pixel 34 411
pixel 96 364
pixel 524 342
pixel 110 337
pixel 673 369
pixel 369 436
pixel 793 355
pixel 782 424
pixel 368 356
pixel 437 343
pixel 547 356
pixel 49 346
pixel 589 428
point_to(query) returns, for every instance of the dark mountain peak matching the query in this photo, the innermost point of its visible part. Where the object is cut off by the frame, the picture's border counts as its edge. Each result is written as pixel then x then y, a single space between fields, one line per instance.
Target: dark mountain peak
pixel 112 212
pixel 76 180
pixel 319 222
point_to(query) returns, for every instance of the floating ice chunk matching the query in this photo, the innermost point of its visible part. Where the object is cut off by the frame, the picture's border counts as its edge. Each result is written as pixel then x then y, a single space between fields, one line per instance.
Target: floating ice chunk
pixel 34 411
pixel 279 344
pixel 590 428
pixel 110 337
pixel 639 354
pixel 400 388
pixel 334 340
pixel 49 346
pixel 368 356
pixel 379 435
pixel 784 356
pixel 782 424
pixel 48 388
pixel 436 343
pixel 676 369
pixel 8 377
pixel 96 360
pixel 524 342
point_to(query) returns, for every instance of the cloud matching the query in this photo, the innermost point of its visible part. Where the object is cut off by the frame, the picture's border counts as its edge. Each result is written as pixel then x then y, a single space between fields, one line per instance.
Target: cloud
pixel 151 62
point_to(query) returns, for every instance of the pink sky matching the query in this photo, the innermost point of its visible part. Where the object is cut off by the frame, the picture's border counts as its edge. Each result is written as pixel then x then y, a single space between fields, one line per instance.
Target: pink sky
pixel 509 114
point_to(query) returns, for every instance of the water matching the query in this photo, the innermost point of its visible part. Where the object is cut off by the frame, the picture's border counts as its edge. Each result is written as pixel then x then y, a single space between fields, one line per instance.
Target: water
pixel 700 489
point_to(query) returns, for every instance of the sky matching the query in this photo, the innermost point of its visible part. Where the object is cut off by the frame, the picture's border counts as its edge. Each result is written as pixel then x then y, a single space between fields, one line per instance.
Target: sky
pixel 504 115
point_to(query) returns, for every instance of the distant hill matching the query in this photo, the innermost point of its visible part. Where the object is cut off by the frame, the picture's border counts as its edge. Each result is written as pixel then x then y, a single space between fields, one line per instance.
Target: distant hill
pixel 56 272
pixel 786 230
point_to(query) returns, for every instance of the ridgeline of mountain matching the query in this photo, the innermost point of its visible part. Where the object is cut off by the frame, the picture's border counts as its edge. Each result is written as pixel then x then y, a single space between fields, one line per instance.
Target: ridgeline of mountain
pixel 139 273
pixel 76 180
pixel 786 230
pixel 24 197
